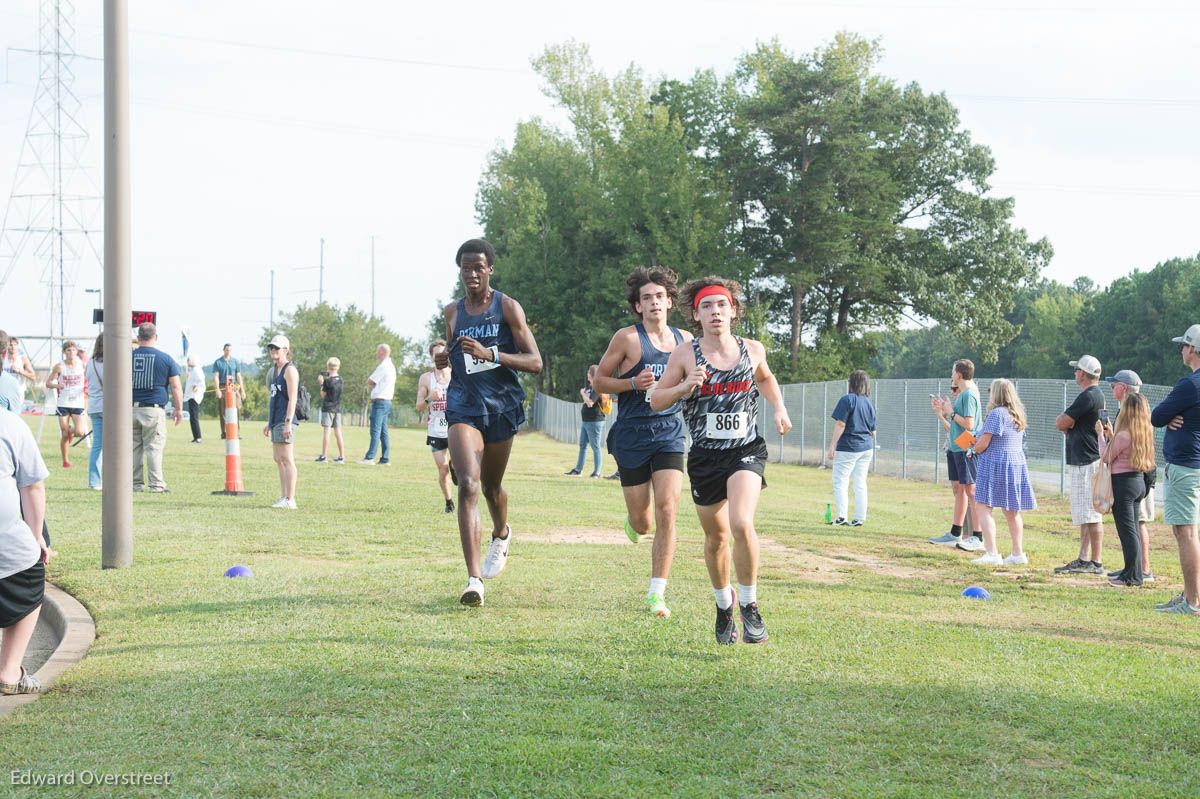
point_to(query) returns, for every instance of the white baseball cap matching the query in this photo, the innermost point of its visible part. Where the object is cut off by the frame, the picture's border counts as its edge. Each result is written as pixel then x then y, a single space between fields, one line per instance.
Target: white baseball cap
pixel 1191 337
pixel 1089 365
pixel 281 342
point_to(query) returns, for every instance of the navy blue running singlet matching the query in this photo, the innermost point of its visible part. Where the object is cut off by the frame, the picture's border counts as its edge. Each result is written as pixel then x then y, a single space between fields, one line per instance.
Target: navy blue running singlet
pixel 640 431
pixel 482 387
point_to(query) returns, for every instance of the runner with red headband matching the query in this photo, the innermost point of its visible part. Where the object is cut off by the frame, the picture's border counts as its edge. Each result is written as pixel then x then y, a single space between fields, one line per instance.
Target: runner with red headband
pixel 719 379
pixel 647 444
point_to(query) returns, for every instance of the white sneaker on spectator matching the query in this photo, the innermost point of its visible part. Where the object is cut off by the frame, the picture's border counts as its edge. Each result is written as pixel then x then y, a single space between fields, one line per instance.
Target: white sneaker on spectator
pixel 988 559
pixel 972 544
pixel 280 503
pixel 1016 560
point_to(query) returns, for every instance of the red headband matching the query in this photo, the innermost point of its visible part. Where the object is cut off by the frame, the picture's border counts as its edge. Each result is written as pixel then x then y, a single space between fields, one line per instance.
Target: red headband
pixel 709 291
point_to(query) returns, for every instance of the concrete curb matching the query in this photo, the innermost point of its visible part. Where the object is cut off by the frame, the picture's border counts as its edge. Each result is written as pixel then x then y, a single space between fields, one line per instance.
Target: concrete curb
pixel 75 630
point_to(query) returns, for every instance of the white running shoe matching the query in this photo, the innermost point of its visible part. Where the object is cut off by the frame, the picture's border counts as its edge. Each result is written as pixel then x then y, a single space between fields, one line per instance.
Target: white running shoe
pixel 280 503
pixel 988 559
pixel 291 504
pixel 497 555
pixel 972 544
pixel 1016 560
pixel 472 595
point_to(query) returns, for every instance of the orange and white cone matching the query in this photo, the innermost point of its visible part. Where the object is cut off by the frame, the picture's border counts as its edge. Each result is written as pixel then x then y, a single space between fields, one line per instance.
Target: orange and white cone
pixel 233 446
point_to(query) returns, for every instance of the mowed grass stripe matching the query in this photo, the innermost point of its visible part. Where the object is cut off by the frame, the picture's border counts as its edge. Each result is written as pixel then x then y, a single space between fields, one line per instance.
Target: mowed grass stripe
pixel 346 665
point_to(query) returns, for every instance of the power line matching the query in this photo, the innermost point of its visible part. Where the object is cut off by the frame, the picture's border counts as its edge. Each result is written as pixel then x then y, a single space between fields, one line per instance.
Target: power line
pixel 315 125
pixel 1014 98
pixel 367 57
pixel 1123 191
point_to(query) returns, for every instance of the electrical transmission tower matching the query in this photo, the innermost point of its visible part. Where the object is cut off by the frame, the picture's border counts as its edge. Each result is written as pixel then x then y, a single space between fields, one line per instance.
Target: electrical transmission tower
pixel 53 223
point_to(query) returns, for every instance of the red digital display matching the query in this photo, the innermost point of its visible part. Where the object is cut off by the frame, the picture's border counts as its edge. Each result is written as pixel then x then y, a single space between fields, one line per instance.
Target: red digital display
pixel 142 317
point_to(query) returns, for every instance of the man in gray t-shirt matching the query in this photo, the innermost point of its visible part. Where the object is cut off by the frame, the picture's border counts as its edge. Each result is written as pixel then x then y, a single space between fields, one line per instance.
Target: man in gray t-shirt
pixel 22 553
pixel 21 466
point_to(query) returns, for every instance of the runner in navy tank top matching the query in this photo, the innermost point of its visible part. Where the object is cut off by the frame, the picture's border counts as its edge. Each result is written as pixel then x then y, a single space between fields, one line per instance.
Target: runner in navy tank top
pixel 647 444
pixel 489 343
pixel 719 378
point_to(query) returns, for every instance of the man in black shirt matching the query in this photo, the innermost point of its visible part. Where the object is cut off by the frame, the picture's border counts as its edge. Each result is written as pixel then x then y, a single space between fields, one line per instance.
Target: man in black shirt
pixel 1078 423
pixel 331 409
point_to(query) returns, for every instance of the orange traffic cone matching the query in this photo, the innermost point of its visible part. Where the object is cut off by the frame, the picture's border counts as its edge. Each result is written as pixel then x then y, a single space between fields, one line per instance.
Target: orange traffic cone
pixel 233 449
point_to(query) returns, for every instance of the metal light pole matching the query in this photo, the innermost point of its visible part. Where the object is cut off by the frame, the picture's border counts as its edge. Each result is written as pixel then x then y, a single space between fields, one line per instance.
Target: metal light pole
pixel 372 276
pixel 117 515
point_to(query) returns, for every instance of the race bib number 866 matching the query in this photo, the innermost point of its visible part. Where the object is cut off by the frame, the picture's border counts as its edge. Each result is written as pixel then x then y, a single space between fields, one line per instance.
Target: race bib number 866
pixel 727 425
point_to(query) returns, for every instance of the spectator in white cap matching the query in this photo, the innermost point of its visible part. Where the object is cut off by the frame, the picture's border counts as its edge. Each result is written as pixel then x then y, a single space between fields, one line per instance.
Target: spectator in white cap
pixel 1124 384
pixel 1180 414
pixel 1079 423
pixel 284 391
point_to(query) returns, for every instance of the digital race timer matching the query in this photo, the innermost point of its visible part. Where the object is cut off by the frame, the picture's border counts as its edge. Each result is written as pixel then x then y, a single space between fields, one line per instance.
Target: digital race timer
pixel 139 317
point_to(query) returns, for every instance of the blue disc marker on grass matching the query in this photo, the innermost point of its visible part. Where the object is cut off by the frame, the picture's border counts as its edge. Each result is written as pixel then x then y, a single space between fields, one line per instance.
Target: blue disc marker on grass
pixel 975 592
pixel 239 571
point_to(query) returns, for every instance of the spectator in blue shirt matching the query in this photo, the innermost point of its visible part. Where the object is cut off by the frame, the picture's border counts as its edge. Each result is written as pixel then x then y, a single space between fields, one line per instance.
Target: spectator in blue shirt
pixel 851 448
pixel 154 371
pixel 1180 414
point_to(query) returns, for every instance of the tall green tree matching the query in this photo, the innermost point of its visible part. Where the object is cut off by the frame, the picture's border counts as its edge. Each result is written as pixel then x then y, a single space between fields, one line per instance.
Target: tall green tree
pixel 863 202
pixel 1130 324
pixel 572 214
pixel 318 332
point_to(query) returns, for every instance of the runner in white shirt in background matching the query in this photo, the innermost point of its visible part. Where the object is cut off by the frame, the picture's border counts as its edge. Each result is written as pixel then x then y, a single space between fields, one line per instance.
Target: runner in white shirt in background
pixel 431 398
pixel 67 378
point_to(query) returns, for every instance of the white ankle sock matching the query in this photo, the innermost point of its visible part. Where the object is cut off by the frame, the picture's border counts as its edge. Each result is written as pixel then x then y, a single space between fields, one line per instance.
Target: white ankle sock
pixel 723 598
pixel 747 594
pixel 658 585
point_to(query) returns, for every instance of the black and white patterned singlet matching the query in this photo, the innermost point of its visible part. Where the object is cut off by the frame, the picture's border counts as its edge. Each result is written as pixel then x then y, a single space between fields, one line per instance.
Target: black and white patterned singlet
pixel 723 414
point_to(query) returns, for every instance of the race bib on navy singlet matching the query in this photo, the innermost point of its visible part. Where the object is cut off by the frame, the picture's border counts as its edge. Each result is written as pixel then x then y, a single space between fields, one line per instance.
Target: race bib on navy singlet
pixel 475 365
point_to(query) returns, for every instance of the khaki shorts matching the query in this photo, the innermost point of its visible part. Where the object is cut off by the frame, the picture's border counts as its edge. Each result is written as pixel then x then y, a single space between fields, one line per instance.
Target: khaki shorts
pixel 277 434
pixel 1145 509
pixel 1080 478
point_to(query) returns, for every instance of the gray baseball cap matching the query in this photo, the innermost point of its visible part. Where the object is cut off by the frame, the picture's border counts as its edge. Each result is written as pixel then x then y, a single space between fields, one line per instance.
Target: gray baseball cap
pixel 1128 377
pixel 1191 337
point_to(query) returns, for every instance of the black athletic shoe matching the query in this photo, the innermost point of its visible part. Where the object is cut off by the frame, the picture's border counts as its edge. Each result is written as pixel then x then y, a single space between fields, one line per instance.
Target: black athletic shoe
pixel 449 506
pixel 754 631
pixel 573 472
pixel 614 476
pixel 727 631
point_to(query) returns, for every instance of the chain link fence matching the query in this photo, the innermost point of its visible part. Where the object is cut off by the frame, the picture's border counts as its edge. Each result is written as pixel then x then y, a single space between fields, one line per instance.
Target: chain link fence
pixel 910 442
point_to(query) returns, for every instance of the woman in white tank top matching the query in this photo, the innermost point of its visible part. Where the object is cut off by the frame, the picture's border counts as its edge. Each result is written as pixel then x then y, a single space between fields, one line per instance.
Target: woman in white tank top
pixel 431 398
pixel 67 379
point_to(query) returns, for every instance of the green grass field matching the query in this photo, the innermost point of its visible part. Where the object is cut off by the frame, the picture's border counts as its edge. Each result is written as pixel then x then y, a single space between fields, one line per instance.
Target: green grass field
pixel 346 667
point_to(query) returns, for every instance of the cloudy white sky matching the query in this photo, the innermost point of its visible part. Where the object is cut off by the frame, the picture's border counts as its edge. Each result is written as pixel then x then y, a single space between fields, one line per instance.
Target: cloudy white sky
pixel 261 127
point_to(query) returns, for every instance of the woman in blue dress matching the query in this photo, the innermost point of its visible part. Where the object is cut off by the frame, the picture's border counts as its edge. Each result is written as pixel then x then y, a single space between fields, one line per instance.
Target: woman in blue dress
pixel 1002 477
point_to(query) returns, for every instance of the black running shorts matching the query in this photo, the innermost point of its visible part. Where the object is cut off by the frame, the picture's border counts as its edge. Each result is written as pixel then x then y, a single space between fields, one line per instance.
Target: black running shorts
pixel 21 593
pixel 658 461
pixel 709 469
